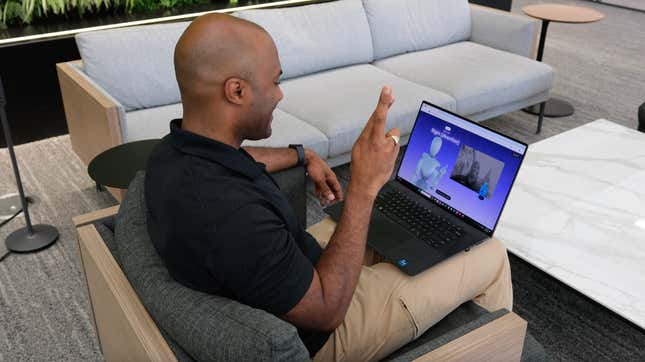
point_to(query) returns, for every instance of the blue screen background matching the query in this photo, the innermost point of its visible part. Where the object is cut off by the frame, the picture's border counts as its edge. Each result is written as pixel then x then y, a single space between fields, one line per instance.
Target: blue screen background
pixel 486 211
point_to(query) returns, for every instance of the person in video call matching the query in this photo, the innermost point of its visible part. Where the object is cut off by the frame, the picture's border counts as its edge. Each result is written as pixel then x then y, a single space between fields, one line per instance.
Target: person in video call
pixel 222 226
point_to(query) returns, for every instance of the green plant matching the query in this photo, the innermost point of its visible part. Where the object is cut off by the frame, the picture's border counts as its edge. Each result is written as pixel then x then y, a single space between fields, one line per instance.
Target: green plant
pixel 19 12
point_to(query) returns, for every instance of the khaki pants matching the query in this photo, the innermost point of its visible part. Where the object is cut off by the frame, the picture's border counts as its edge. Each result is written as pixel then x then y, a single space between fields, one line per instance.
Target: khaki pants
pixel 390 309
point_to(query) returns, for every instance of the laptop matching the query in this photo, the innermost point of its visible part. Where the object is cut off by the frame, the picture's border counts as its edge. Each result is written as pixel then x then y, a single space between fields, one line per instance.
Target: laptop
pixel 448 194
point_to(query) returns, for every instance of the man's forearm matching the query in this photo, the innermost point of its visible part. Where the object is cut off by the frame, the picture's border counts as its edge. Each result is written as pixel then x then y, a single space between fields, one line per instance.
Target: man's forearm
pixel 340 264
pixel 276 159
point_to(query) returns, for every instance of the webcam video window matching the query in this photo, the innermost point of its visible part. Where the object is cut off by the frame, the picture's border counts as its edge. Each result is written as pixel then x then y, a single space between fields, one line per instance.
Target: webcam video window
pixel 477 171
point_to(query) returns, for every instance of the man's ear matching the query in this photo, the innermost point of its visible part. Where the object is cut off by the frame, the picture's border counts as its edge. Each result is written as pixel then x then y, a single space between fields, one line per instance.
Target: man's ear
pixel 235 90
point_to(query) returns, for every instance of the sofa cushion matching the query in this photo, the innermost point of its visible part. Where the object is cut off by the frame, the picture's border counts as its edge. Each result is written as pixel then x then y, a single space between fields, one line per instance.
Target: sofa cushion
pixel 207 327
pixel 317 37
pixel 287 129
pixel 130 62
pixel 338 102
pixel 400 26
pixel 149 123
pixel 478 77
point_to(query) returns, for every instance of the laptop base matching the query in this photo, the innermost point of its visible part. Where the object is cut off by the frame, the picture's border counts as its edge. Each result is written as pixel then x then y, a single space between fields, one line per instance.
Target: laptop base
pixel 400 247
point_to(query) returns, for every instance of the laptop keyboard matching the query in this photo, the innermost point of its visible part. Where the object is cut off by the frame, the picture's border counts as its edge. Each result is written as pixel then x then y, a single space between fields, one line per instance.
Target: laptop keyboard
pixel 435 230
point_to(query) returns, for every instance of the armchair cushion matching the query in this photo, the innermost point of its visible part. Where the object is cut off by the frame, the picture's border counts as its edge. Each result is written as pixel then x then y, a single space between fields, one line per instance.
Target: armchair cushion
pixel 207 327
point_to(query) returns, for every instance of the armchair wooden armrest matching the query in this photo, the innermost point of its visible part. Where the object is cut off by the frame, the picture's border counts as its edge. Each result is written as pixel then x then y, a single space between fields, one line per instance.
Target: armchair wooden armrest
pixel 125 329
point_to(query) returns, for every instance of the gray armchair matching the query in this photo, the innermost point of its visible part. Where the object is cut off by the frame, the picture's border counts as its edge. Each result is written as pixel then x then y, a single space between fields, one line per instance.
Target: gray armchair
pixel 142 314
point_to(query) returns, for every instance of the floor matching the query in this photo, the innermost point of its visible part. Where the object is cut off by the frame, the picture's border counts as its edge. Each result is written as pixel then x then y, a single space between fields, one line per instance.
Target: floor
pixel 632 4
pixel 44 312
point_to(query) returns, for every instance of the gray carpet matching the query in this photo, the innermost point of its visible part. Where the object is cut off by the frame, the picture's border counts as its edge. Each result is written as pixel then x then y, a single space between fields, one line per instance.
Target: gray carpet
pixel 629 4
pixel 44 310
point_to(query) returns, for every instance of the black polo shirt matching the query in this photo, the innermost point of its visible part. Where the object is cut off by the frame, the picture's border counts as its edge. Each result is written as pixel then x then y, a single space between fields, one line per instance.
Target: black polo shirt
pixel 222 226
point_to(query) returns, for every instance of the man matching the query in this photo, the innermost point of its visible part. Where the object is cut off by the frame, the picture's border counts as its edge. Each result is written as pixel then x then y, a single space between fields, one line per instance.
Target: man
pixel 223 227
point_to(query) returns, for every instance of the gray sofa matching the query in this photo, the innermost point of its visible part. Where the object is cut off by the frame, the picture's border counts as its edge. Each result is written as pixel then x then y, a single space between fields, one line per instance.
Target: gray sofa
pixel 127 280
pixel 336 56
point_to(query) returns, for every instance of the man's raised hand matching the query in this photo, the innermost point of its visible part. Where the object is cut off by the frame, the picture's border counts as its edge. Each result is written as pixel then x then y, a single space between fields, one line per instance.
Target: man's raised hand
pixel 375 151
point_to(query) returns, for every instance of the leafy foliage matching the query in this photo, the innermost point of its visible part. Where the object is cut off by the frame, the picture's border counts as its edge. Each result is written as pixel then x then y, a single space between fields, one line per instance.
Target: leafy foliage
pixel 22 12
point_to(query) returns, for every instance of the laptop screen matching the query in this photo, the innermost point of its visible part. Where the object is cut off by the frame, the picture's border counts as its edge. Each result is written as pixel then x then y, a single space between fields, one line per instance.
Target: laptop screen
pixel 463 167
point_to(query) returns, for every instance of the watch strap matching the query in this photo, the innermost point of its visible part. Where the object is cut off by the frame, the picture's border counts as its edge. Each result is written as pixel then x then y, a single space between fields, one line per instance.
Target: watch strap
pixel 301 153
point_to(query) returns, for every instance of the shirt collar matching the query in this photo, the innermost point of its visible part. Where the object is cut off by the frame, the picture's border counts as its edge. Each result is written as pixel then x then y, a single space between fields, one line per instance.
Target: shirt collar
pixel 234 159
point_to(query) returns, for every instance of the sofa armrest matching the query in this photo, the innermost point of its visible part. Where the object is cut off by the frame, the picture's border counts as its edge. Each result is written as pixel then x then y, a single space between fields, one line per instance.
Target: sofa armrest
pixel 93 116
pixel 504 31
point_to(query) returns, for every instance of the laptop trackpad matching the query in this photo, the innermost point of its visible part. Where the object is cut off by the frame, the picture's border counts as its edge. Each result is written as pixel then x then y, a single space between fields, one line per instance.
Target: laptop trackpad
pixel 384 234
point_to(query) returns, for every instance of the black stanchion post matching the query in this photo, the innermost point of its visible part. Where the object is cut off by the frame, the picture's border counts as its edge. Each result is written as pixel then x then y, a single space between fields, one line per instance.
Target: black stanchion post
pixel 31 237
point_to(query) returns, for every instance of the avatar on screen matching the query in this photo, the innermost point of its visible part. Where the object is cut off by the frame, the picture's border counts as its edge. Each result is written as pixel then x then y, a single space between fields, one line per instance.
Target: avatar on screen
pixel 429 169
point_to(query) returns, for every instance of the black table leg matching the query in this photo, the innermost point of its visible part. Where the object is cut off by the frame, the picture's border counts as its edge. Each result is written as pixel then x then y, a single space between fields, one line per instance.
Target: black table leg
pixel 554 107
pixel 540 117
pixel 545 26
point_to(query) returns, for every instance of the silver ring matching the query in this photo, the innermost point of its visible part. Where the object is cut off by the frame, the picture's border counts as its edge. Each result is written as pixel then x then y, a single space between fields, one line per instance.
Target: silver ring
pixel 395 138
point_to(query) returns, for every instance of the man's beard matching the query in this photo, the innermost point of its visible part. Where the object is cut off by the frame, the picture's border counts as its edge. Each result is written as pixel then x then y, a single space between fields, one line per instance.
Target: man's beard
pixel 261 130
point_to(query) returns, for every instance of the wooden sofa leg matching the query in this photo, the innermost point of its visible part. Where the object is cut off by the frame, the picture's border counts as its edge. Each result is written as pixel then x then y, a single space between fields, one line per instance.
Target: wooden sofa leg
pixel 540 117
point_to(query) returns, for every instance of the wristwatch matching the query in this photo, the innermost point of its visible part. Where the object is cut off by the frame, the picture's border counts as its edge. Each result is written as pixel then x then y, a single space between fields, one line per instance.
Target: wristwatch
pixel 301 154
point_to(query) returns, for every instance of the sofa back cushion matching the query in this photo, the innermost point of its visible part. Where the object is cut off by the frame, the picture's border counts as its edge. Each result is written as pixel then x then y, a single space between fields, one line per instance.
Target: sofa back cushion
pixel 401 26
pixel 134 65
pixel 317 37
pixel 207 327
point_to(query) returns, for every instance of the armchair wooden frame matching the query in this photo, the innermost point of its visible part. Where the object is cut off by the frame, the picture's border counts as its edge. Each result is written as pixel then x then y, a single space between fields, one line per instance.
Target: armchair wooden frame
pixel 126 331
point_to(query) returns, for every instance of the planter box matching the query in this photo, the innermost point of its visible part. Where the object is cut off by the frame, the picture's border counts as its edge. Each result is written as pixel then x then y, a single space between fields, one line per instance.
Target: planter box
pixel 499 4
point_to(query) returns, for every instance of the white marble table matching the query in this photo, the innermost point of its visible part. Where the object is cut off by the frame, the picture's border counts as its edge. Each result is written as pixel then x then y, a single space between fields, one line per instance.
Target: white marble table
pixel 577 212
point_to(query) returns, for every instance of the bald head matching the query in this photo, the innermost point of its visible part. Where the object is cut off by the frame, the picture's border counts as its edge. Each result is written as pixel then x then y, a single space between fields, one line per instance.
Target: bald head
pixel 214 48
pixel 228 73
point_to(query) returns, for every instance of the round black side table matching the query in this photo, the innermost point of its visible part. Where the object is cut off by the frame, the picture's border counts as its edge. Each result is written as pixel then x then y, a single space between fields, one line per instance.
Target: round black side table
pixel 561 14
pixel 117 166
